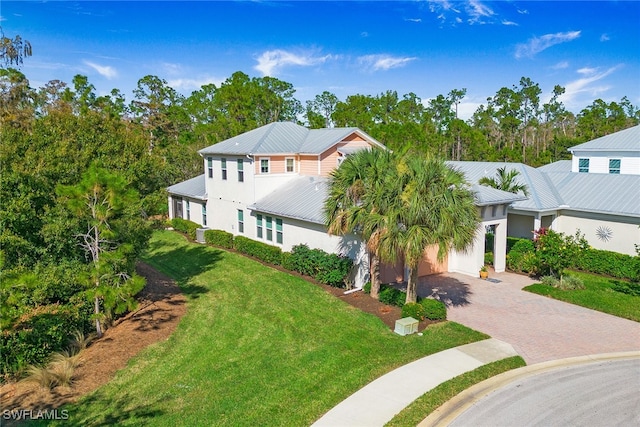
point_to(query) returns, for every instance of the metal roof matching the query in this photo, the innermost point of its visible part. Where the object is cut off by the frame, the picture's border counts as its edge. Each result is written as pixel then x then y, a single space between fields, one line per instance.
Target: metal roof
pixel 302 198
pixel 542 194
pixel 606 193
pixel 624 140
pixel 194 188
pixel 284 138
pixel 559 166
pixel 485 196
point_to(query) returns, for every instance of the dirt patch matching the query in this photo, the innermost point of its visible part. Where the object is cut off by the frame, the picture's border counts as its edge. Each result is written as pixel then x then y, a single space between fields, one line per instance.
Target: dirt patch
pixel 161 305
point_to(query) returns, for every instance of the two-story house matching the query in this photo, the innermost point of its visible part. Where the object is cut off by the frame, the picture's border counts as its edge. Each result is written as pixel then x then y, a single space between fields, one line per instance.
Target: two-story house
pixel 270 184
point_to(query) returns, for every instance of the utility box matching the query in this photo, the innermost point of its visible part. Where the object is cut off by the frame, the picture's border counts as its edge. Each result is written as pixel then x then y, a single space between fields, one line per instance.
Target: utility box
pixel 200 235
pixel 406 326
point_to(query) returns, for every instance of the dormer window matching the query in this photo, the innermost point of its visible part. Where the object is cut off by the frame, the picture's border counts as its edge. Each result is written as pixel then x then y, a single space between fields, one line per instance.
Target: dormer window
pixel 583 165
pixel 614 166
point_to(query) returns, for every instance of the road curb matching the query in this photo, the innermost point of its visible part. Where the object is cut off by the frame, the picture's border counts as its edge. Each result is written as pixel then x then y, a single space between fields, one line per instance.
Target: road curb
pixel 446 413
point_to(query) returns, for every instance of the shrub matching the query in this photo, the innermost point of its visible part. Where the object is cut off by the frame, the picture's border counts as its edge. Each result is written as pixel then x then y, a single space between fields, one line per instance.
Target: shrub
pixel 570 283
pixel 488 258
pixel 219 238
pixel 185 226
pixel 413 309
pixel 259 250
pixel 434 309
pixel 330 269
pixel 392 296
pixel 522 257
pixel 548 281
pixel 511 242
pixel 367 288
pixel 627 288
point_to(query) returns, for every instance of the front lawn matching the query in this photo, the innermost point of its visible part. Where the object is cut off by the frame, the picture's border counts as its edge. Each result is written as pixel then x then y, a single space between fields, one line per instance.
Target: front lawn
pixel 256 347
pixel 599 294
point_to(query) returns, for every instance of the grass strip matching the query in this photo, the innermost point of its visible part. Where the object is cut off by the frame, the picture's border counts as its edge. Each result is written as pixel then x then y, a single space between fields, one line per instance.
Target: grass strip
pixel 430 401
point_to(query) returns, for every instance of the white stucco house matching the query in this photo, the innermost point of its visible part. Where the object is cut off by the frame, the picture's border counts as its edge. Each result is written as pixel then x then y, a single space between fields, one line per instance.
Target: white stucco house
pixel 270 184
pixel 596 192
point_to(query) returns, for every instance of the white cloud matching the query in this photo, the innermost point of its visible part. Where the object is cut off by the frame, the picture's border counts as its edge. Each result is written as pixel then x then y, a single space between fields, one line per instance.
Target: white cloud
pixel 538 44
pixel 104 70
pixel 505 22
pixel 560 65
pixel 587 84
pixel 384 62
pixel 478 12
pixel 418 20
pixel 187 85
pixel 272 61
pixel 605 38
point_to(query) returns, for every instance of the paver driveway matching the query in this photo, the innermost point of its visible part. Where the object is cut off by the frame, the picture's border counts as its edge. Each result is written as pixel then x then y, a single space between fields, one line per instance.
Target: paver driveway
pixel 539 328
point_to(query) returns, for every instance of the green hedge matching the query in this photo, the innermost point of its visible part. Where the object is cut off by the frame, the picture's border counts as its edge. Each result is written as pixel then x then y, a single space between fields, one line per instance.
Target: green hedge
pixel 219 238
pixel 392 296
pixel 330 269
pixel 262 251
pixel 434 309
pixel 609 263
pixel 185 226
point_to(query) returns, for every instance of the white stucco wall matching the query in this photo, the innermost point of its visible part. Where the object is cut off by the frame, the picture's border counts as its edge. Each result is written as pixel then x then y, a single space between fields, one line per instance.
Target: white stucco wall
pixel 195 209
pixel 624 231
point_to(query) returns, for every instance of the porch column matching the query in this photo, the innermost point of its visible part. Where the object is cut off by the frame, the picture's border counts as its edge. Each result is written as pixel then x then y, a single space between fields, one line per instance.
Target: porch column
pixel 500 247
pixel 537 222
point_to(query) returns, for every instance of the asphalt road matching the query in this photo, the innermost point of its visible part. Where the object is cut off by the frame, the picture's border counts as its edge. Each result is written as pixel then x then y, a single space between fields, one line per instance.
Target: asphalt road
pixel 605 393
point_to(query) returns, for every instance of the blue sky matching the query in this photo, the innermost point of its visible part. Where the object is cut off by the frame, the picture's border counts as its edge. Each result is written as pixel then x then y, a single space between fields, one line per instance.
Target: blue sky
pixel 592 48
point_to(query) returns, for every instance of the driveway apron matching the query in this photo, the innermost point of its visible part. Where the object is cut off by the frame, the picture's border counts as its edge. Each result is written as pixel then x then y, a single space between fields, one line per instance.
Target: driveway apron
pixel 539 328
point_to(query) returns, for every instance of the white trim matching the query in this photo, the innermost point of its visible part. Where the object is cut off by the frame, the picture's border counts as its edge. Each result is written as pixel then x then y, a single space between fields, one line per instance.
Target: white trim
pixel 260 159
pixel 294 164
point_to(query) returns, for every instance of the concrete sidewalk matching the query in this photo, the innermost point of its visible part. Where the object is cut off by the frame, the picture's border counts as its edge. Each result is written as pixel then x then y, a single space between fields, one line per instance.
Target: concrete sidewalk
pixel 379 401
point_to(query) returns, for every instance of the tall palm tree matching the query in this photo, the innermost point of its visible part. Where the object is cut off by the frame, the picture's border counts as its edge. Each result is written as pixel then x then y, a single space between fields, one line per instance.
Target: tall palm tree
pixel 505 181
pixel 432 205
pixel 350 206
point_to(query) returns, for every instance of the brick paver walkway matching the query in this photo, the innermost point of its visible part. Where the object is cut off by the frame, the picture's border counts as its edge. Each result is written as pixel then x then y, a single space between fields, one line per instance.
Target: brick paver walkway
pixel 539 328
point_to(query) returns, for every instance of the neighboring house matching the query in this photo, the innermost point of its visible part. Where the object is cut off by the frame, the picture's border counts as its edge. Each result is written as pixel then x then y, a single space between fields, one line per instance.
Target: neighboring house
pixel 601 198
pixel 270 184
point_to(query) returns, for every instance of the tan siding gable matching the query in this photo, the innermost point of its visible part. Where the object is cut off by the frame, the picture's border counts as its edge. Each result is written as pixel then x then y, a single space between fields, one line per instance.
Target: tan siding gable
pixel 309 165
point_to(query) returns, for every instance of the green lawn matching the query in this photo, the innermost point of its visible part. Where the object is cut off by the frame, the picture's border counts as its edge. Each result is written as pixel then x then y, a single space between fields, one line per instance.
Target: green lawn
pixel 256 347
pixel 598 295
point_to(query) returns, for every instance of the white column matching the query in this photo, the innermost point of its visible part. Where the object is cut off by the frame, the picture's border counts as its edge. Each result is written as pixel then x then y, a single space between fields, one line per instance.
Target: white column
pixel 500 247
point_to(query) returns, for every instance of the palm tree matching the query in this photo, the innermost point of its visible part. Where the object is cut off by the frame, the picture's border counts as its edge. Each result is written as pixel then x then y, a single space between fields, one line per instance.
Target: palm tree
pixel 505 181
pixel 350 207
pixel 432 205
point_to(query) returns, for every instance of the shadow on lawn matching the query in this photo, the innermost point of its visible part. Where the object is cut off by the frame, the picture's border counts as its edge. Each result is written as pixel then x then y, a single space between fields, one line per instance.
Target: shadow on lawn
pixel 118 413
pixel 183 263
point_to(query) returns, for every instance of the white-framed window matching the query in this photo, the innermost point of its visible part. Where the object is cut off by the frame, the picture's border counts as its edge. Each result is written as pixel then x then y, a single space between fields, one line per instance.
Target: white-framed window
pixel 583 165
pixel 269 227
pixel 614 166
pixel 240 221
pixel 259 226
pixel 223 166
pixel 278 230
pixel 289 165
pixel 188 210
pixel 264 165
pixel 210 167
pixel 204 215
pixel 240 170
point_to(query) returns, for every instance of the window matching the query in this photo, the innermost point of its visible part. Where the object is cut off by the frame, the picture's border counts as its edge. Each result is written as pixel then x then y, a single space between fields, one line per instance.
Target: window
pixel 278 230
pixel 290 165
pixel 223 165
pixel 188 211
pixel 240 221
pixel 614 166
pixel 264 165
pixel 210 167
pixel 583 165
pixel 204 215
pixel 259 226
pixel 240 171
pixel 269 228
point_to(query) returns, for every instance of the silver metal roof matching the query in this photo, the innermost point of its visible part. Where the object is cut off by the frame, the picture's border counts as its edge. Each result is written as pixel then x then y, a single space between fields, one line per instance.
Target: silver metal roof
pixel 485 196
pixel 624 140
pixel 593 192
pixel 542 194
pixel 302 198
pixel 284 138
pixel 559 166
pixel 194 188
